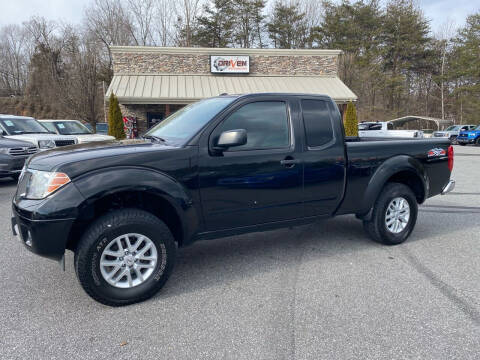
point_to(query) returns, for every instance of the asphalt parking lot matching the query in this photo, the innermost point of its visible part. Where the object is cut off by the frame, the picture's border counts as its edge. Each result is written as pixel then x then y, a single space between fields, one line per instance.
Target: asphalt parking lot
pixel 322 291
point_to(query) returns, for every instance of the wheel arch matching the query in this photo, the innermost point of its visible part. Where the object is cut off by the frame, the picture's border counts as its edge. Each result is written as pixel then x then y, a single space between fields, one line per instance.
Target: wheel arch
pixel 401 169
pixel 144 189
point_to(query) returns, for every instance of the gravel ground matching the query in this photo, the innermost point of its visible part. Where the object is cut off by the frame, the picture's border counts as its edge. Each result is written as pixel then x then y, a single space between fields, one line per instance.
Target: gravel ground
pixel 322 291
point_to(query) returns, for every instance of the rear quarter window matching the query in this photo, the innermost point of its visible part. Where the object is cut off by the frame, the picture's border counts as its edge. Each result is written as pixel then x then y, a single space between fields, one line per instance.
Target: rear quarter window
pixel 317 122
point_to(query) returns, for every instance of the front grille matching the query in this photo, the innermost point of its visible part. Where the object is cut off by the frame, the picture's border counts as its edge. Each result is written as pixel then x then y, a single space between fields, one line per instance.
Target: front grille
pixel 64 142
pixel 438 135
pixel 22 151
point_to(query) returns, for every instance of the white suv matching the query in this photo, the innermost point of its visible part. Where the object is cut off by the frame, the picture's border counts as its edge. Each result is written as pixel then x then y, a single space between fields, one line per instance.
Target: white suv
pixel 28 129
pixel 75 128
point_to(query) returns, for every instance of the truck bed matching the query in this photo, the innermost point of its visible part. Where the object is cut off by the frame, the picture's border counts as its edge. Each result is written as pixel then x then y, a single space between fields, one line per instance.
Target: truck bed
pixel 366 155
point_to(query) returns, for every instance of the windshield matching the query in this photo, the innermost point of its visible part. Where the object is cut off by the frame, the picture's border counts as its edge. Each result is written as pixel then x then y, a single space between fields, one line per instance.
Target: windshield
pixel 477 128
pixel 16 126
pixel 67 127
pixel 453 127
pixel 182 125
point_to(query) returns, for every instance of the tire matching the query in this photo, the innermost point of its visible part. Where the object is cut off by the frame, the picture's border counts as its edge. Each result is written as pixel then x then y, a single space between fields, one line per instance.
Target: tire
pixel 377 227
pixel 462 144
pixel 453 140
pixel 477 142
pixel 97 243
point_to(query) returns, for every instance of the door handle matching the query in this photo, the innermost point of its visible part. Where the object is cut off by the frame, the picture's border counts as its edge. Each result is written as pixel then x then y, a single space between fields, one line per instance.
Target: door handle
pixel 289 162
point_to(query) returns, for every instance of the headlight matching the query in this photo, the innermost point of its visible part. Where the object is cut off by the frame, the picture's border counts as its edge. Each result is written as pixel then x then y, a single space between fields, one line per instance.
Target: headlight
pixel 42 183
pixel 46 144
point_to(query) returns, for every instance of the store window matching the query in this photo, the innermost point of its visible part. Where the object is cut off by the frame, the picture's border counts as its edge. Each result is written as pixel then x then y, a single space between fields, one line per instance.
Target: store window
pixel 154 118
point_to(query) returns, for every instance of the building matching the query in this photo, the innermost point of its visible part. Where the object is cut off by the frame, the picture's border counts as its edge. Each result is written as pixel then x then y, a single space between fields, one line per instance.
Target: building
pixel 152 82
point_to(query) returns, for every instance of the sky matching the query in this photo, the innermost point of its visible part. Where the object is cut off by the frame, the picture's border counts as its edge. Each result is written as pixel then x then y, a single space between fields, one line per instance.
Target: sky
pixel 71 11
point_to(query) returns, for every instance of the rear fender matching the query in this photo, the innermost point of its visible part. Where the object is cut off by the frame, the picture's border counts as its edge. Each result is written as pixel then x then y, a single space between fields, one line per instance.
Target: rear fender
pixel 391 167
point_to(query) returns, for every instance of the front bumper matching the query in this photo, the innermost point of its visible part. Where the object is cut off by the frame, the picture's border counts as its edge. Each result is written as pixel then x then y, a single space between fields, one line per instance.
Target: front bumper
pixel 466 140
pixel 46 238
pixel 11 165
pixel 449 187
pixel 44 226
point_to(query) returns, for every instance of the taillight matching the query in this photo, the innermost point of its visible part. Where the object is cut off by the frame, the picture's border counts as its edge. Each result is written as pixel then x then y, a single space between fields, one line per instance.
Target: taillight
pixel 450 158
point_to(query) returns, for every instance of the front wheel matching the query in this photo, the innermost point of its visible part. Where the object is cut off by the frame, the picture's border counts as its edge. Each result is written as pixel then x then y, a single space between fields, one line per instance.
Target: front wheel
pixel 125 257
pixel 394 215
pixel 477 142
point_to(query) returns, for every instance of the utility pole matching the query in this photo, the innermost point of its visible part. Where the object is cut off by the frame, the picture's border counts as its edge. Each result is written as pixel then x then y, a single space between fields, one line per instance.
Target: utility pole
pixel 104 102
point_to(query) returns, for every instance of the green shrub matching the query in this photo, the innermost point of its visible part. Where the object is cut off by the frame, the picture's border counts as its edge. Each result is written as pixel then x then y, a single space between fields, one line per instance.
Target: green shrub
pixel 115 119
pixel 350 120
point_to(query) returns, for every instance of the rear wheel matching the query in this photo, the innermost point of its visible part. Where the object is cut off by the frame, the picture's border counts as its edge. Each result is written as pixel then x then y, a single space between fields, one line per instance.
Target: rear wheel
pixel 477 142
pixel 125 257
pixel 394 215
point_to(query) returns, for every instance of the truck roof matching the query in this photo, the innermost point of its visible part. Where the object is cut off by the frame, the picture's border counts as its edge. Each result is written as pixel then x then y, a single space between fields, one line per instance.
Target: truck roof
pixel 273 94
pixel 5 116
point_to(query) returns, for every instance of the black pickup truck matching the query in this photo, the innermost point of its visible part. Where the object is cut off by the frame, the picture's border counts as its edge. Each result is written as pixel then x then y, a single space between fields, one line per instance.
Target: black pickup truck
pixel 222 166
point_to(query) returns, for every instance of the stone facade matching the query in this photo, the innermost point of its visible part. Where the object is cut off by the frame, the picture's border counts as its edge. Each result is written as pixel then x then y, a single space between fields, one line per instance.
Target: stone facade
pixel 140 111
pixel 196 61
pixel 160 63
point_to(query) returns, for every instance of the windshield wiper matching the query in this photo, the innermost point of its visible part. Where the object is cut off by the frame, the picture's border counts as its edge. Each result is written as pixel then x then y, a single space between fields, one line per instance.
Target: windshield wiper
pixel 35 132
pixel 156 138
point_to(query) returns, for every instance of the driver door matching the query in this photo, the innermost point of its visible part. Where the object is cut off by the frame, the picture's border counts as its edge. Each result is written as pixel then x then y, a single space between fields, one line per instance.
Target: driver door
pixel 260 181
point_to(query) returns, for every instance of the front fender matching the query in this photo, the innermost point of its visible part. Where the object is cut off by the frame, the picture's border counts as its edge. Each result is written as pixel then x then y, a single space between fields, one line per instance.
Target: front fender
pixel 385 171
pixel 107 181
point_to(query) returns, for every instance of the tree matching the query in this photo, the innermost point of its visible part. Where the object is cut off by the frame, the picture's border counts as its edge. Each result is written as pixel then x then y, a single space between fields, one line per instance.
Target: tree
pixel 404 42
pixel 249 22
pixel 143 13
pixel 115 119
pixel 350 122
pixel 187 12
pixel 465 70
pixel 215 26
pixel 356 29
pixel 14 59
pixel 286 27
pixel 109 23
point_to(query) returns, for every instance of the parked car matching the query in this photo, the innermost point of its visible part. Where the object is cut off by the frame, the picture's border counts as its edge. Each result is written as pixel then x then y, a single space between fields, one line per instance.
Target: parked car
pixel 385 129
pixel 102 128
pixel 427 133
pixel 453 131
pixel 469 137
pixel 76 128
pixel 222 166
pixel 13 154
pixel 28 129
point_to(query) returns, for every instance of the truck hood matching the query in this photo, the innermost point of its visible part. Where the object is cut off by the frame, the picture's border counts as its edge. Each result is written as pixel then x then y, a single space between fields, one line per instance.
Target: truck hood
pixel 75 160
pixel 10 143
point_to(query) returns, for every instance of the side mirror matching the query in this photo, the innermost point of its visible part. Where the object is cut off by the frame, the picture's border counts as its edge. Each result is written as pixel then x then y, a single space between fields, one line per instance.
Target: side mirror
pixel 231 138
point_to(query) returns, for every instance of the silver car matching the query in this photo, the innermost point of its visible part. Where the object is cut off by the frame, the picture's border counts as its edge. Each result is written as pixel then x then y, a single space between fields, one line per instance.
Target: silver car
pixel 452 132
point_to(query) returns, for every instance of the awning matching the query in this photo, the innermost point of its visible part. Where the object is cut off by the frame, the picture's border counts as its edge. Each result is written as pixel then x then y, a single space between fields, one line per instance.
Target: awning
pixel 182 89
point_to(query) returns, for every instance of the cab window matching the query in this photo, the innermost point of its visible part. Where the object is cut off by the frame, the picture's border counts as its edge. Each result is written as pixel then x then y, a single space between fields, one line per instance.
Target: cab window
pixel 266 123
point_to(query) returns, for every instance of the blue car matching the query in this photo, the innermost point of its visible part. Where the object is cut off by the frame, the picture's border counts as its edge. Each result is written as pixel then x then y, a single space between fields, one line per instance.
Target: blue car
pixel 469 137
